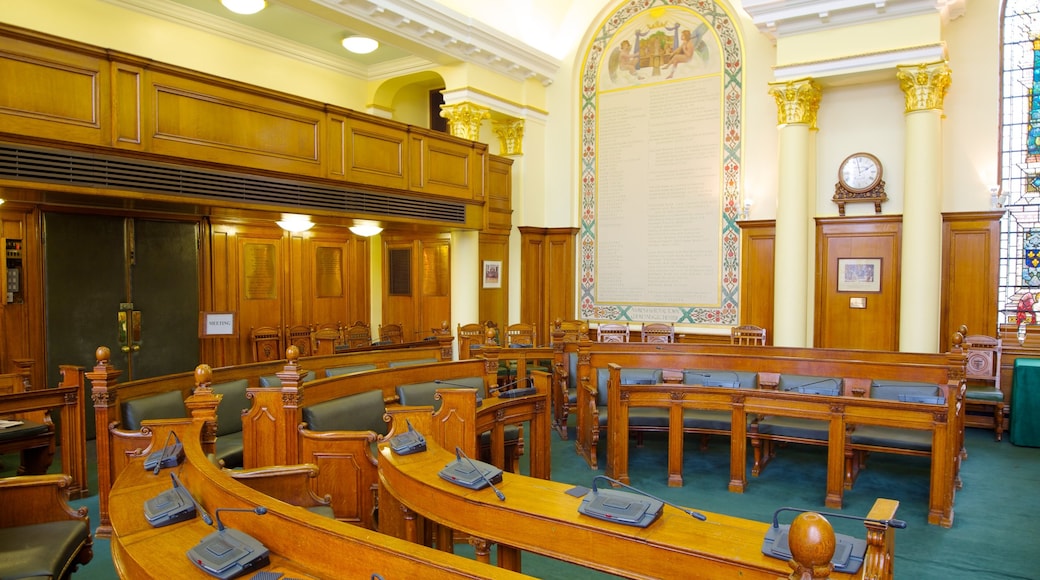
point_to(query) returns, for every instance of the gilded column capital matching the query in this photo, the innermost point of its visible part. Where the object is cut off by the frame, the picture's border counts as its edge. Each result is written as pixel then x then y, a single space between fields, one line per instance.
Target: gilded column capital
pixel 464 119
pixel 510 136
pixel 796 101
pixel 924 85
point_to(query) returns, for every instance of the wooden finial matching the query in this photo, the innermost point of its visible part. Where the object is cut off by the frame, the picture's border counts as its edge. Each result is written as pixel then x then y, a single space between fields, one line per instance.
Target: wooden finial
pixel 203 375
pixel 292 354
pixel 812 545
pixel 103 354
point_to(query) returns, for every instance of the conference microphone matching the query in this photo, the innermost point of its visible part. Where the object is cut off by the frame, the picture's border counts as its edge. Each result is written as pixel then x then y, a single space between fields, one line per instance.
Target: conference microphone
pixel 228 553
pixel 889 522
pixel 480 400
pixel 505 392
pixel 198 507
pixel 168 456
pixel 472 474
pixel 459 455
pixel 835 391
pixel 848 551
pixel 712 379
pixel 173 505
pixel 690 512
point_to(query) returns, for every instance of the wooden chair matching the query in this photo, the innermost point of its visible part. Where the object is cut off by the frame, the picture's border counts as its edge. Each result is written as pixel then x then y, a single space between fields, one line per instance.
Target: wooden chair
pixel 34 437
pixel 612 333
pixel 292 484
pixel 571 330
pixel 300 336
pixel 41 536
pixel 327 336
pixel 471 337
pixel 983 397
pixel 747 335
pixel 358 335
pixel 267 343
pixel 522 334
pixel 391 333
pixel 657 332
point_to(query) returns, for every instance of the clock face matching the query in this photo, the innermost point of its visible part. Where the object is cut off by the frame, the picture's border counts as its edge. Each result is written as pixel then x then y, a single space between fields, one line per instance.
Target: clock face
pixel 860 171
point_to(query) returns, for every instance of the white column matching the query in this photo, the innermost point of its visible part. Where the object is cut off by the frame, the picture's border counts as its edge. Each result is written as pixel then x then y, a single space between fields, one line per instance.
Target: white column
pixel 465 281
pixel 921 261
pixel 797 103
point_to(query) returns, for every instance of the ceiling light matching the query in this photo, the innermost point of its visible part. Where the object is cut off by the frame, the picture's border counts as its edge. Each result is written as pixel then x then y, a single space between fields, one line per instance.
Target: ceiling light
pixel 360 44
pixel 295 223
pixel 244 6
pixel 366 230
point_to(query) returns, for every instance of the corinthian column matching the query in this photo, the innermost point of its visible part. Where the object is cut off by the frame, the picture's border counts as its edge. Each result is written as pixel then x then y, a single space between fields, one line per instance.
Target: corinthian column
pixel 464 119
pixel 925 87
pixel 797 103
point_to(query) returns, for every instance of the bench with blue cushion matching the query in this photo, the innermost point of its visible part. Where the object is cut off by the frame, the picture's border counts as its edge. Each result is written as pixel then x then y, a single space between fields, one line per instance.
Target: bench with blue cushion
pixel 765 430
pixel 229 421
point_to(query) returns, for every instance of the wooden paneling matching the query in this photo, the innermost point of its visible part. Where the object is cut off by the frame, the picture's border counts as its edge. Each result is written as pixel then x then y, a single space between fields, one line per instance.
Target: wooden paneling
pixel 61 93
pixel 434 288
pixel 498 206
pixel 335 146
pixel 970 274
pixel 757 274
pixel 444 167
pixel 376 152
pixel 838 325
pixel 547 277
pixel 127 105
pixel 494 302
pixel 235 126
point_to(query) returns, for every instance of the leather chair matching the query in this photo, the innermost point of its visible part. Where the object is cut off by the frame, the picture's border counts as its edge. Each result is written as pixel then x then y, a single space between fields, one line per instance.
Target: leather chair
pixel 41 536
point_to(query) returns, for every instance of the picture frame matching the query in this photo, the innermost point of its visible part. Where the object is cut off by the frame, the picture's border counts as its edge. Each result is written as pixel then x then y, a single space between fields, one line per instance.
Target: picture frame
pixel 859 274
pixel 492 274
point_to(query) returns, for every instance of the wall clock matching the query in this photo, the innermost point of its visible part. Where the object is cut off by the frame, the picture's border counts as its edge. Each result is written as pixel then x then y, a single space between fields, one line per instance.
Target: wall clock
pixel 859 180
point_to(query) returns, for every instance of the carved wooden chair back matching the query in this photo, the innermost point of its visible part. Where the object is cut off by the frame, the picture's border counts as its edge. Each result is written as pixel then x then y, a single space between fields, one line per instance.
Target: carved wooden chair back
pixel 300 336
pixel 522 334
pixel 571 330
pixel 658 332
pixel 392 333
pixel 267 343
pixel 747 335
pixel 327 336
pixel 612 333
pixel 983 359
pixel 358 334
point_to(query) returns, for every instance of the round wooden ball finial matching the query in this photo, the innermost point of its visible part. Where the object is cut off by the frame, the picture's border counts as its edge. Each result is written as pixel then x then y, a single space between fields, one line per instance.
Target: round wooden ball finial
pixel 292 353
pixel 103 354
pixel 203 374
pixel 812 542
pixel 583 328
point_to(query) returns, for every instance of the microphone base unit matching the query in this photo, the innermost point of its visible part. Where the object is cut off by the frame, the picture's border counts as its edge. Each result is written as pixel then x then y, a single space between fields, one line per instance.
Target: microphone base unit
pixel 229 553
pixel 621 507
pixel 408 443
pixel 169 507
pixel 515 393
pixel 471 474
pixel 169 456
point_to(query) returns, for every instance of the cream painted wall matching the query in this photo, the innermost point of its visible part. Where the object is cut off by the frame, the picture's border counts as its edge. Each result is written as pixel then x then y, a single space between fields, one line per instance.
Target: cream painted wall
pixel 108 26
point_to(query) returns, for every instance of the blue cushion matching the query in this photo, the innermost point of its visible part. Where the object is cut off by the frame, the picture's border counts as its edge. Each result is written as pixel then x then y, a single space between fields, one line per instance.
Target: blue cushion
pixel 717 378
pixel 408 363
pixel 348 370
pixel 422 394
pixel 984 394
pixel 234 401
pixel 907 391
pixel 634 376
pixel 648 417
pixel 707 419
pixel 229 450
pixel 810 385
pixel 795 427
pixel 360 412
pixel 169 405
pixel 272 381
pixel 521 345
pixel 912 439
pixel 43 550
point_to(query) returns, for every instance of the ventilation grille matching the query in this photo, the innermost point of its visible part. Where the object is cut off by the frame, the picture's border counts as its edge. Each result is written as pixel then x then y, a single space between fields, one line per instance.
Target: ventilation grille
pixel 73 168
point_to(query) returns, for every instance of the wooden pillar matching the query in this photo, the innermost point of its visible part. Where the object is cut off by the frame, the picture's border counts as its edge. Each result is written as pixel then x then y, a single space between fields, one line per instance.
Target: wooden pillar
pixel 102 380
pixel 202 404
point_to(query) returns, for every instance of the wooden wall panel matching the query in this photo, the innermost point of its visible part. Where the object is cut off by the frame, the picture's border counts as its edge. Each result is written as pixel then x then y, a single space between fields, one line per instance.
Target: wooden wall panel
pixel 376 152
pixel 757 274
pixel 533 266
pixel 970 274
pixel 335 146
pixel 60 94
pixel 547 282
pixel 444 167
pixel 498 206
pixel 494 302
pixel 434 288
pixel 838 325
pixel 127 106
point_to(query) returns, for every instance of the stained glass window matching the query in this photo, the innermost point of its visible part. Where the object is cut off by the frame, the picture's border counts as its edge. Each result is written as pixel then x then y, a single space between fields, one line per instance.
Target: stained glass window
pixel 1020 162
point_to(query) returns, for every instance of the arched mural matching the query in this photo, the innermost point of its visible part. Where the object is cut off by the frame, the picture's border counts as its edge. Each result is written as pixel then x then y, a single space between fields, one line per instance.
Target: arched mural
pixel 661 139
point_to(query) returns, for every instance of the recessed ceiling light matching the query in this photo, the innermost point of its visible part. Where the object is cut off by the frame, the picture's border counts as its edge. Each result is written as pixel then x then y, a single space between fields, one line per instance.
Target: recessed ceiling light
pixel 366 230
pixel 360 44
pixel 244 6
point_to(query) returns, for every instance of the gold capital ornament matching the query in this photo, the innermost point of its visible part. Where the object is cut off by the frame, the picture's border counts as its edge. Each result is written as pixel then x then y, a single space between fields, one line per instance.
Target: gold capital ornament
pixel 464 119
pixel 510 136
pixel 796 101
pixel 924 85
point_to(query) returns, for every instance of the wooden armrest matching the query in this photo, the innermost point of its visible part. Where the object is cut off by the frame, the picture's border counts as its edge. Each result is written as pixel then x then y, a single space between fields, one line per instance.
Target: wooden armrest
pixel 288 483
pixel 37 499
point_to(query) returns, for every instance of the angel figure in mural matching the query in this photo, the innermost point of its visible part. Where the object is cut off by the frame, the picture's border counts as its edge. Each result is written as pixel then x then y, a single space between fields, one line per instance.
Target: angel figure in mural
pixel 691 44
pixel 624 59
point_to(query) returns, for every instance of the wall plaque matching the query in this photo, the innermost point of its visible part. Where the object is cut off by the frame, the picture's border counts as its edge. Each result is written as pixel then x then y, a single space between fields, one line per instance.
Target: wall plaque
pixel 259 261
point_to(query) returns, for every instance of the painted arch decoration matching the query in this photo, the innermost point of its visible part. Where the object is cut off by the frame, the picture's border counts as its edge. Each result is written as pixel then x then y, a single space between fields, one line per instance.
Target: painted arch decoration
pixel 661 143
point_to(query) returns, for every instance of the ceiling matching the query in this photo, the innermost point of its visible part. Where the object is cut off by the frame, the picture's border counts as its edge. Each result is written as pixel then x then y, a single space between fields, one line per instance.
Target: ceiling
pixel 412 35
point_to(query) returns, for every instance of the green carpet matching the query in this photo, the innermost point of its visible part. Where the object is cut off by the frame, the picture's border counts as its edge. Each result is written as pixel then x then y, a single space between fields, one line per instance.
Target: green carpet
pixel 997 512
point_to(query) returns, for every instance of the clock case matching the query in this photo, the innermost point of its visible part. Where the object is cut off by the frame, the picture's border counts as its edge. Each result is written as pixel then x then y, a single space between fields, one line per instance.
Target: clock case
pixel 874 193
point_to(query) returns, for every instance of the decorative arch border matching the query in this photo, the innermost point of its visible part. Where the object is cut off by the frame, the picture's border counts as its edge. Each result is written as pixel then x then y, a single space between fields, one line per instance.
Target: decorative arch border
pixel 727 311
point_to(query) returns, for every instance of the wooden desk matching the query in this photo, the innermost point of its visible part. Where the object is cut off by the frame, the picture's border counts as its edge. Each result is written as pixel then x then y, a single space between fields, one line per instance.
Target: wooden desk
pixel 302 544
pixel 1025 403
pixel 538 516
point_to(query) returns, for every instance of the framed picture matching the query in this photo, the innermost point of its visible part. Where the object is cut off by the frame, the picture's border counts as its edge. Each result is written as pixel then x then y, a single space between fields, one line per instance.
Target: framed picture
pixel 492 274
pixel 859 274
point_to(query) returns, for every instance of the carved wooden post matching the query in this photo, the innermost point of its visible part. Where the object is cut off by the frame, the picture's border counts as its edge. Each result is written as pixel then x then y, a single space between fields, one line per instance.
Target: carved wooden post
pixel 588 422
pixel 445 339
pixel 292 399
pixel 490 352
pixel 202 404
pixel 812 544
pixel 103 380
pixel 74 431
